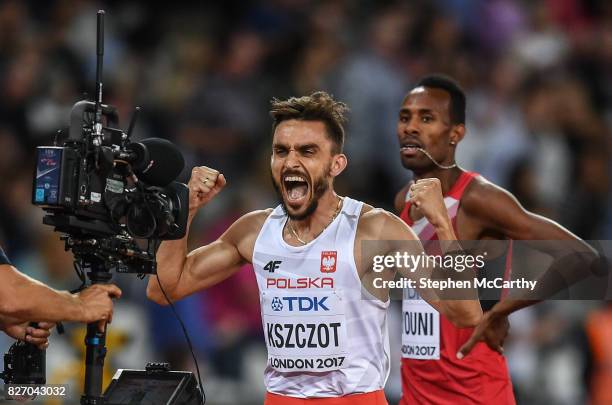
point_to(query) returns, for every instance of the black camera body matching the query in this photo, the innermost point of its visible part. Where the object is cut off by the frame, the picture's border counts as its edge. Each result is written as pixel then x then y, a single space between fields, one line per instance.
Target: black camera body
pixel 114 201
pixel 106 192
pixel 24 363
pixel 66 179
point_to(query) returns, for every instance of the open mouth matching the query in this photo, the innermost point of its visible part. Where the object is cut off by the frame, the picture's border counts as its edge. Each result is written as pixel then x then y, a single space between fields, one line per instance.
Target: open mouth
pixel 296 187
pixel 410 148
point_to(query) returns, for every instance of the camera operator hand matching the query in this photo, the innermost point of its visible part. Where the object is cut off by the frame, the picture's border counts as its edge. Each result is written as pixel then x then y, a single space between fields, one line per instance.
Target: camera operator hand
pixel 97 303
pixel 23 299
pixel 204 184
pixel 38 335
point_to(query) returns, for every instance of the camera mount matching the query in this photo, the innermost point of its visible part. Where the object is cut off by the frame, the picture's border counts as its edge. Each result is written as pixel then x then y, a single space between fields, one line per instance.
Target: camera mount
pixel 114 201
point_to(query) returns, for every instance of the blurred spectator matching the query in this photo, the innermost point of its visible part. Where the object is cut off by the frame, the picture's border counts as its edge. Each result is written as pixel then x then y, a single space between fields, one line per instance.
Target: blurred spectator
pixel 497 139
pixel 599 333
pixel 539 81
pixel 372 83
pixel 226 117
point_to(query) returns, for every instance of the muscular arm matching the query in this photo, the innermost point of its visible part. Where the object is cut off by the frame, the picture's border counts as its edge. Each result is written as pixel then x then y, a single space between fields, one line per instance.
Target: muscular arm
pixel 182 273
pixel 389 229
pixel 499 212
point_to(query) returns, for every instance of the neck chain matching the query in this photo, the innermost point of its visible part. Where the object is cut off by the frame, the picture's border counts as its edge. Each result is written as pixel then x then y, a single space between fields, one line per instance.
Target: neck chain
pixel 294 233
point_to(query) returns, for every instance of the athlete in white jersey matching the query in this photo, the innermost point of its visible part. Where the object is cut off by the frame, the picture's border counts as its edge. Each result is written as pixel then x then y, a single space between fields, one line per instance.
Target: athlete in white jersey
pixel 311 303
pixel 325 329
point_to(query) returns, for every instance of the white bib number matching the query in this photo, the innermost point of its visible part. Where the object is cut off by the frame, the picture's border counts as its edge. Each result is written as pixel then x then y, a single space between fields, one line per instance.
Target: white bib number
pixel 305 330
pixel 420 328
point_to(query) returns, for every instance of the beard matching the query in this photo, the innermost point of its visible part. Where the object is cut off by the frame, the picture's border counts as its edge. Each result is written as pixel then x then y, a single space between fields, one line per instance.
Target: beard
pixel 320 186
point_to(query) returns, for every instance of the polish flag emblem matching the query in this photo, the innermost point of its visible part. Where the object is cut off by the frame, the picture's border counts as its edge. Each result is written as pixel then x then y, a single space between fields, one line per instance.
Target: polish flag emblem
pixel 328 261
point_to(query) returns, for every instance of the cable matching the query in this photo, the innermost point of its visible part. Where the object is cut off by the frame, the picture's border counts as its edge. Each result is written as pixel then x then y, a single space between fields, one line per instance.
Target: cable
pixel 81 274
pixel 434 160
pixel 201 388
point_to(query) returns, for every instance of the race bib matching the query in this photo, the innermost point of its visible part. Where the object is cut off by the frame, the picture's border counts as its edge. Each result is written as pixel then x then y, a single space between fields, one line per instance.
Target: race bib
pixel 305 331
pixel 420 328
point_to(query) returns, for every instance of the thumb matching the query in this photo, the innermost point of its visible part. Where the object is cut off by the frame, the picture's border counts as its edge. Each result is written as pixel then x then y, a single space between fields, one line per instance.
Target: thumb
pixel 112 290
pixel 467 347
pixel 221 181
pixel 408 190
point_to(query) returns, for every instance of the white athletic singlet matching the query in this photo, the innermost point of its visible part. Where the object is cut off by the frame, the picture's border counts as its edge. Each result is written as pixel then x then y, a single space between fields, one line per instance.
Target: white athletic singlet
pixel 326 336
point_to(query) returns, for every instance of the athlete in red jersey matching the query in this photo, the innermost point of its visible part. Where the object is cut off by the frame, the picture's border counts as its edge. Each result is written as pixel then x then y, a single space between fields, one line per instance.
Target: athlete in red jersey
pixel 431 124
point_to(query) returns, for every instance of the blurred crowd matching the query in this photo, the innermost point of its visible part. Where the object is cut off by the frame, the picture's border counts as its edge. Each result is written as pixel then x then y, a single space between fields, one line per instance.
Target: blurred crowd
pixel 538 79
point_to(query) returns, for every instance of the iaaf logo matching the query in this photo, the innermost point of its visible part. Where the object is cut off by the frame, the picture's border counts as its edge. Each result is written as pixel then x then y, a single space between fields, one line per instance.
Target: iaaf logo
pixel 328 261
pixel 302 304
pixel 304 282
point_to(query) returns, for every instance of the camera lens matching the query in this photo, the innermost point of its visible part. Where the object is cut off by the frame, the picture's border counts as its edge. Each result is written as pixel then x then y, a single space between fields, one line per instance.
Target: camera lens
pixel 140 221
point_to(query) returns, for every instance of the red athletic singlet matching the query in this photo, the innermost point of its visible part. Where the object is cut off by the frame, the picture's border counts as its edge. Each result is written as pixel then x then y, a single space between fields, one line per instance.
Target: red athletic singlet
pixel 435 375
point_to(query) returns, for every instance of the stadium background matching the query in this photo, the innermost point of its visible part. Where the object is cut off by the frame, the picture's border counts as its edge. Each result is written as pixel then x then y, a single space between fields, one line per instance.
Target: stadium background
pixel 538 76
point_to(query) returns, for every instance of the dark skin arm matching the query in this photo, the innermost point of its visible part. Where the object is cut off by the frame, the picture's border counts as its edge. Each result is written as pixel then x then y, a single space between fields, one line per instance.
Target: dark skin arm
pixel 496 212
pixel 426 197
pixel 400 199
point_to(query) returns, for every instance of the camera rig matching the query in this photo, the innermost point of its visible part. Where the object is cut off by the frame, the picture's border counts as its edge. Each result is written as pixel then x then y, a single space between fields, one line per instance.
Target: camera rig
pixel 113 201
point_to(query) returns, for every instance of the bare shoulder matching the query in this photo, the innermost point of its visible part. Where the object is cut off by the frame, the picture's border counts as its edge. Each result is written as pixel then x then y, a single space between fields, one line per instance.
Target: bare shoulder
pixel 257 217
pixel 493 207
pixel 377 223
pixel 370 214
pixel 481 196
pixel 248 225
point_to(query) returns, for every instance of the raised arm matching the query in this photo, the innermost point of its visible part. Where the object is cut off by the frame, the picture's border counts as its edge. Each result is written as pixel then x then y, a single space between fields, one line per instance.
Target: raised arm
pixel 182 273
pixel 393 237
pixel 462 313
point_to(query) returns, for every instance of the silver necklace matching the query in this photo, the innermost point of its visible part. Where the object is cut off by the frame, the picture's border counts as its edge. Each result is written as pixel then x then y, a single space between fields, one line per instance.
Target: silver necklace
pixel 436 163
pixel 330 221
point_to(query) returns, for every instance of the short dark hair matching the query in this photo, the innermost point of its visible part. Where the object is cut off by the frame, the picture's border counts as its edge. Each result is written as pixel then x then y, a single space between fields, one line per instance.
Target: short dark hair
pixel 457 96
pixel 319 106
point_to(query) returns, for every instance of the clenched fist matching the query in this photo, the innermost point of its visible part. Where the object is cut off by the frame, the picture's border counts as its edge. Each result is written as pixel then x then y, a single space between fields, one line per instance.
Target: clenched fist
pixel 426 196
pixel 204 184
